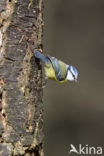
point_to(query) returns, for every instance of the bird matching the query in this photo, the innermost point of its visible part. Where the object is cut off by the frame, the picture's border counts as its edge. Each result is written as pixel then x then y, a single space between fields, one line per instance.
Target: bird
pixel 56 69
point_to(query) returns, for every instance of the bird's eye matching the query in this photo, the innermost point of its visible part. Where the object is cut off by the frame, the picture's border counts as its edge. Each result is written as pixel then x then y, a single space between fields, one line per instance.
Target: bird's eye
pixel 73 76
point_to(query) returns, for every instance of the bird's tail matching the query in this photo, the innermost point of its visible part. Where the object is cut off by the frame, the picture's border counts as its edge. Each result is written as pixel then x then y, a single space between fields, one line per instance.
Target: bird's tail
pixel 40 56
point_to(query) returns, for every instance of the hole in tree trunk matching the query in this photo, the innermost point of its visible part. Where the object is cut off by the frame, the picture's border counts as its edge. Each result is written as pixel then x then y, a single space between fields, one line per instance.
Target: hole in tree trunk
pixel 0 95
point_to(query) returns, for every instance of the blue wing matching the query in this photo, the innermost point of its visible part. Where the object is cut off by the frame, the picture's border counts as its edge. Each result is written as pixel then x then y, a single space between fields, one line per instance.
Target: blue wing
pixel 40 56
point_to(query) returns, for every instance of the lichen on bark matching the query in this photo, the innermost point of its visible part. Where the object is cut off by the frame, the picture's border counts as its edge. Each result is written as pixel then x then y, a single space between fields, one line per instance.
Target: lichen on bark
pixel 21 103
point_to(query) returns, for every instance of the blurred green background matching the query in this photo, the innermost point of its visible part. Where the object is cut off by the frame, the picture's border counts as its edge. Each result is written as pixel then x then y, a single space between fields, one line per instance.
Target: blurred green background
pixel 74 112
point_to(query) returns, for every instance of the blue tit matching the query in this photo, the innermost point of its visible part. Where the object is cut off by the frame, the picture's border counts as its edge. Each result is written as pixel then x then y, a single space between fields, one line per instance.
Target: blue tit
pixel 56 69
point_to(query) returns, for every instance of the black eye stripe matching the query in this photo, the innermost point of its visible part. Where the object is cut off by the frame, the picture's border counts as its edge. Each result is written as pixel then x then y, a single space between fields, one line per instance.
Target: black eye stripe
pixel 72 74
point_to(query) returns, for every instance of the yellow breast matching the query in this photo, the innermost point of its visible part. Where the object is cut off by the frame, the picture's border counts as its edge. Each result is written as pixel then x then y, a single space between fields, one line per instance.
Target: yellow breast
pixel 50 73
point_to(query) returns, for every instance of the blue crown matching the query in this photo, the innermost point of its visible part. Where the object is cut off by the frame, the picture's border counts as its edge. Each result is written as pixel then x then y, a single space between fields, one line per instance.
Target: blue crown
pixel 75 71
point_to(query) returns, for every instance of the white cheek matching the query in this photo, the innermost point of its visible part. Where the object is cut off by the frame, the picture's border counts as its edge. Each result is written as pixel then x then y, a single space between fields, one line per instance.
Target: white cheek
pixel 69 76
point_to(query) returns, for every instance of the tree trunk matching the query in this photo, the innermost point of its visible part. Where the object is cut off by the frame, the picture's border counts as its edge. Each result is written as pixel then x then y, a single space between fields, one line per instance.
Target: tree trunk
pixel 21 105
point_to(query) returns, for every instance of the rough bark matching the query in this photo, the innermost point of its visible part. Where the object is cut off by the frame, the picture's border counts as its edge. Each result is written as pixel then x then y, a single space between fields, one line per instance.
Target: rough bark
pixel 21 106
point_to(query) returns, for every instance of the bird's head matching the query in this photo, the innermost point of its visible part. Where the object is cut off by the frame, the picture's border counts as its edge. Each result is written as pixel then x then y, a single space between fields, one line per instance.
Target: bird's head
pixel 72 73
